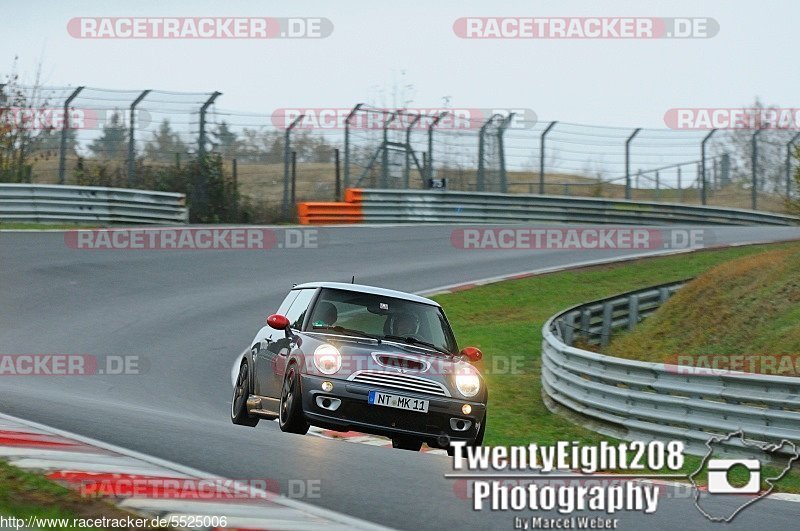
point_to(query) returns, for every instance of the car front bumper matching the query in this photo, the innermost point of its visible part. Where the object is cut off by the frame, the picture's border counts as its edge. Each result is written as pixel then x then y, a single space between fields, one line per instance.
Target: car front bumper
pixel 436 427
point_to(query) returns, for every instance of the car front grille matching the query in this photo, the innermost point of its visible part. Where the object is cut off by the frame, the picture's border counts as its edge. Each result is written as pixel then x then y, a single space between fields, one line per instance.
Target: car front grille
pixel 406 382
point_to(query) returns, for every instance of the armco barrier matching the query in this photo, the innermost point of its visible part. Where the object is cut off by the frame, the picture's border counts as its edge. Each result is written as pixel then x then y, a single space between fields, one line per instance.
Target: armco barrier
pixel 636 400
pixel 37 203
pixel 415 206
pixel 328 213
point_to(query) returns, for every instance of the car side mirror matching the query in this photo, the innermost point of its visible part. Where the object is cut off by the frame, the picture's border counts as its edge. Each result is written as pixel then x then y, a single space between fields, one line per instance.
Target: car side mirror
pixel 278 321
pixel 473 354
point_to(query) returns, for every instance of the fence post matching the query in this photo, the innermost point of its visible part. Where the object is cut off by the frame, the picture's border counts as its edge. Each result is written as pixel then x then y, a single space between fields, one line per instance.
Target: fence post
pixel 407 170
pixel 663 295
pixel 62 154
pixel 586 324
pixel 633 311
pixel 502 151
pixel 479 180
pixel 385 152
pixel 294 177
pixel 338 175
pixel 199 199
pixel 287 154
pixel 480 184
pixel 628 162
pixel 201 146
pixel 789 147
pixel 754 163
pixel 569 329
pixel 429 164
pixel 680 186
pixel 605 332
pixel 132 138
pixel 541 155
pixel 703 192
pixel 235 179
pixel 347 144
pixel 658 187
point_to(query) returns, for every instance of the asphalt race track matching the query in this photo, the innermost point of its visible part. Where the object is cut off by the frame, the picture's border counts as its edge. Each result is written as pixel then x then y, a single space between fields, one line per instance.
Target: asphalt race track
pixel 188 315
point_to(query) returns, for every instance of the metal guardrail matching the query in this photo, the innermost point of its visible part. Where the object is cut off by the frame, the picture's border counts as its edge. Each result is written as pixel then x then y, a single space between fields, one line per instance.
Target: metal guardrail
pixel 637 400
pixel 37 203
pixel 398 206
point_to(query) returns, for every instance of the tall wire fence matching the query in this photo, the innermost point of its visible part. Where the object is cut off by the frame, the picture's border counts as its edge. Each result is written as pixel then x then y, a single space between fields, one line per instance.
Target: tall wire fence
pixel 268 161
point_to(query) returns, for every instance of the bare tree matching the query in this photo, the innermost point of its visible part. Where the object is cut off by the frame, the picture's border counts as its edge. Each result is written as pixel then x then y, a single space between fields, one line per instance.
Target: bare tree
pixel 22 128
pixel 771 149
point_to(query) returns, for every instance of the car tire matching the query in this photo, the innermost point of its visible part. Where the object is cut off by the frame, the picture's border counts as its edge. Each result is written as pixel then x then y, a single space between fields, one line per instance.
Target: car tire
pixel 241 392
pixel 405 443
pixel 291 418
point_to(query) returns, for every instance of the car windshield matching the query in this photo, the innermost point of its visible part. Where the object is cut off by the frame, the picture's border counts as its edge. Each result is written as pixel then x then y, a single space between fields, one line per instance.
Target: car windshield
pixel 376 316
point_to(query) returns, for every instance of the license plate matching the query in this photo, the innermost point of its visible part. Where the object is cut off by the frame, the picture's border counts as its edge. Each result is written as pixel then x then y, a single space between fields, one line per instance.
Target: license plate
pixel 377 398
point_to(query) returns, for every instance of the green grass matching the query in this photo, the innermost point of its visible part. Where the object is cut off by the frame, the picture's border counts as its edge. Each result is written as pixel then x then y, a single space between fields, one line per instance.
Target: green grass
pixel 24 494
pixel 756 297
pixel 505 321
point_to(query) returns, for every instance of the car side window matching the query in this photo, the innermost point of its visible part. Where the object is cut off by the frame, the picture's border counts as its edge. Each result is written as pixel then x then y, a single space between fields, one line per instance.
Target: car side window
pixel 287 302
pixel 297 311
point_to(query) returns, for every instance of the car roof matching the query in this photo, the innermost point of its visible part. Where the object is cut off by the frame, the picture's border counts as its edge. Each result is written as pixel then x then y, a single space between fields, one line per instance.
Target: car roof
pixel 372 290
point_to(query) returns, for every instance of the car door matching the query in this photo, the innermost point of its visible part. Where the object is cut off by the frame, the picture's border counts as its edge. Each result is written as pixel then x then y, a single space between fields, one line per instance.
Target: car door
pixel 262 367
pixel 271 358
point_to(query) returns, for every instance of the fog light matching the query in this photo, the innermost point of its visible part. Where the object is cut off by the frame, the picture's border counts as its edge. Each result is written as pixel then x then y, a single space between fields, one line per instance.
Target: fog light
pixel 327 386
pixel 466 409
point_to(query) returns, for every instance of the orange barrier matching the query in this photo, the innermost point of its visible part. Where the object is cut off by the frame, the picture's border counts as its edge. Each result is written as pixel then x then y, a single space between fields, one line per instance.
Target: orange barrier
pixel 353 195
pixel 318 213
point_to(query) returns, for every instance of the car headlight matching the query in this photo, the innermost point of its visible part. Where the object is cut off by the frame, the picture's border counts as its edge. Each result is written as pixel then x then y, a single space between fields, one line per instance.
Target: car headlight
pixel 468 384
pixel 327 359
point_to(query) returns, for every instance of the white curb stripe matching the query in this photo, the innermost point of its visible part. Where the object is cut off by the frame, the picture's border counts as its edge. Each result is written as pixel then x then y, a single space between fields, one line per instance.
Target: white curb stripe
pixel 269 511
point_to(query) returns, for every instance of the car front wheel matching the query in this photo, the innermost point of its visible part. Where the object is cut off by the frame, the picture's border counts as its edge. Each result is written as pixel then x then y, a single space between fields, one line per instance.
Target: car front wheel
pixel 291 418
pixel 241 392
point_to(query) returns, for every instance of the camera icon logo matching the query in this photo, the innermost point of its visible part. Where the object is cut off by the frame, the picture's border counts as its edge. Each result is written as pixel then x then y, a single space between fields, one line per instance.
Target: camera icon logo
pixel 718 482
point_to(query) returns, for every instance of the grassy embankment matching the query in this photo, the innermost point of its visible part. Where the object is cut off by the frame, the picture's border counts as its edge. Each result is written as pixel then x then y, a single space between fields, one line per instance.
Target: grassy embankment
pixel 505 321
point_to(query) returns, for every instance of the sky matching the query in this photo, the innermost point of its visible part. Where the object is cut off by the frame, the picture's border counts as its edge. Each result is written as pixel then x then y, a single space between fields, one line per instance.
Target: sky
pixel 376 46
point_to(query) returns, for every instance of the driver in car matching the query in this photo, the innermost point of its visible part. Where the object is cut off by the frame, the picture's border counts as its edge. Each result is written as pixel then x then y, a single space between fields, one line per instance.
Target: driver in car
pixel 405 324
pixel 325 314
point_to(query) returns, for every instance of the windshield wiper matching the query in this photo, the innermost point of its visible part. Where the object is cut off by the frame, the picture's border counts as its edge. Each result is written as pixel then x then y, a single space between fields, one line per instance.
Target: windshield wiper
pixel 349 331
pixel 414 341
